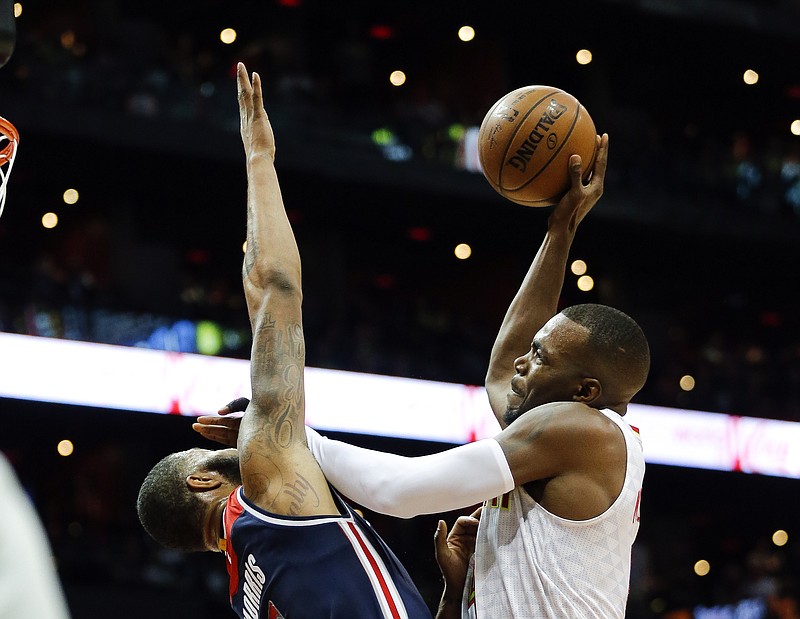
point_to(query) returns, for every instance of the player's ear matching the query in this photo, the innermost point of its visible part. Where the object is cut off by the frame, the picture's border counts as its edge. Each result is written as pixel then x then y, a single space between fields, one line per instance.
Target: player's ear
pixel 202 481
pixel 590 389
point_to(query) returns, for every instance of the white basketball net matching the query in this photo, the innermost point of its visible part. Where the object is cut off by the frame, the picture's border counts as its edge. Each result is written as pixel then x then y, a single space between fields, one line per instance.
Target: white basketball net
pixel 5 172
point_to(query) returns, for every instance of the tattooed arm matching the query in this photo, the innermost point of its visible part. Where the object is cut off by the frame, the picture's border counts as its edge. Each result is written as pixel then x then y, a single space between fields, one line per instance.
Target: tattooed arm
pixel 278 471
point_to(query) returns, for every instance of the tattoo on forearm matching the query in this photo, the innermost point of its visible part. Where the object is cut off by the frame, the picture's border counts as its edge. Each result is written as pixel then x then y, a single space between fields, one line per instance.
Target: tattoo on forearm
pixel 267 346
pixel 253 249
pixel 296 341
pixel 284 428
pixel 278 359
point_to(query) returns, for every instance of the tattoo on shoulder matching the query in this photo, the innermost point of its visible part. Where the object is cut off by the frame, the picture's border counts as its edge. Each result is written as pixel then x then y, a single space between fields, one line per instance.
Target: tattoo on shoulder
pixel 300 492
pixel 264 476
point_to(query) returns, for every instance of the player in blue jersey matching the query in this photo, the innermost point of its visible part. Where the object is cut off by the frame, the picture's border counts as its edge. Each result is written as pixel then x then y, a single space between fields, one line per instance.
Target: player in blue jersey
pixel 293 549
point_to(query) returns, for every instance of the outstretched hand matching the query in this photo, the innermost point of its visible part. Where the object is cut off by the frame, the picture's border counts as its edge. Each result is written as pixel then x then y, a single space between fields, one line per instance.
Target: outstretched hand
pixel 453 551
pixel 224 429
pixel 254 123
pixel 580 198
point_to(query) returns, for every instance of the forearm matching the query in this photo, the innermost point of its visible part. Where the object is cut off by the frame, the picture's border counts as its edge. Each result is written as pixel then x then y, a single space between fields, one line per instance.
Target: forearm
pixel 271 254
pixel 406 487
pixel 534 304
pixel 271 261
pixel 536 300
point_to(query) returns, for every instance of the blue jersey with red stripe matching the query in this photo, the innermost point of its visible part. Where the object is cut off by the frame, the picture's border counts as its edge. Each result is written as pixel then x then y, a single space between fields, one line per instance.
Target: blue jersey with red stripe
pixel 313 567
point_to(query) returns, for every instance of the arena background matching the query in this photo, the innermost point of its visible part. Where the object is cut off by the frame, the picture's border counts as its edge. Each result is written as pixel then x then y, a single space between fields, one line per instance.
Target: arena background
pixel 696 236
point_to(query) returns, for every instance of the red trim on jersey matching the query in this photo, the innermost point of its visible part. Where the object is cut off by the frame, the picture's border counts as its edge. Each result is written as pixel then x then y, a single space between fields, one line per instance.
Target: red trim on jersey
pixel 233 509
pixel 635 429
pixel 384 588
pixel 274 613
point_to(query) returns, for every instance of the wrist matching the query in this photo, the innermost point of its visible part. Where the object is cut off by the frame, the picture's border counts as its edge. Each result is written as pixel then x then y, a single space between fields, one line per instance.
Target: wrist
pixel 560 230
pixel 452 594
pixel 454 586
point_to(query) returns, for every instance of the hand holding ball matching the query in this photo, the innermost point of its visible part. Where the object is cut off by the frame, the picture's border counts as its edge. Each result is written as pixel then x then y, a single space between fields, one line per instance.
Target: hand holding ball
pixel 526 140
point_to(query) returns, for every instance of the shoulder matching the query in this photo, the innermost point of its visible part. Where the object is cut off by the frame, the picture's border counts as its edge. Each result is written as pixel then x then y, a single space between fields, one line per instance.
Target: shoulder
pixel 562 419
pixel 554 438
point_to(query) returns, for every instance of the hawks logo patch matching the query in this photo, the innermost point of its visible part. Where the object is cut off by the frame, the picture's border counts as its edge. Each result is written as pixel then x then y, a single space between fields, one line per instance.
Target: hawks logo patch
pixel 274 613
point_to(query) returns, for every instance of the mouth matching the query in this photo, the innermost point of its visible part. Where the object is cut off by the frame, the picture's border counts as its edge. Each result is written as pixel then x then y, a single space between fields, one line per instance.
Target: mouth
pixel 515 389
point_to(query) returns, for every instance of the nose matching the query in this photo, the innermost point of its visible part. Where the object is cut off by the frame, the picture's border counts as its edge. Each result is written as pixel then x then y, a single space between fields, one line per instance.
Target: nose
pixel 520 364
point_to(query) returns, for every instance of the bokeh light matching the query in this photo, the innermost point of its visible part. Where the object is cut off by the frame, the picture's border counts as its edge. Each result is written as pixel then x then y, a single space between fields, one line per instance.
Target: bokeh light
pixel 462 251
pixel 584 56
pixel 585 283
pixel 49 220
pixel 397 78
pixel 65 447
pixel 687 382
pixel 466 33
pixel 750 77
pixel 383 137
pixel 702 567
pixel 578 267
pixel 67 39
pixel 227 36
pixel 71 196
pixel 780 537
pixel 209 338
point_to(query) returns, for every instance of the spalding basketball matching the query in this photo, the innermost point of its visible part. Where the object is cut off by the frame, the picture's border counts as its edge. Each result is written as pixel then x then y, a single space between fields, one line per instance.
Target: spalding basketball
pixel 526 140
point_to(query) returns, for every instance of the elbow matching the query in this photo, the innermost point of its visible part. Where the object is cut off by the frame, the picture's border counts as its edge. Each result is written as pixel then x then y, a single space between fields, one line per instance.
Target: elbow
pixel 274 278
pixel 395 497
pixel 391 504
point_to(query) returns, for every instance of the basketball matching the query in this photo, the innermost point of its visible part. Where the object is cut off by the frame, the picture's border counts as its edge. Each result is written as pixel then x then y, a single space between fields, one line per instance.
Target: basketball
pixel 526 140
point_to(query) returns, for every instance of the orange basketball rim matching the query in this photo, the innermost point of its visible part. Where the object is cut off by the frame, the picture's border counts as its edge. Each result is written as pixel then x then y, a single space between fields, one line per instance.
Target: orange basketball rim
pixel 9 141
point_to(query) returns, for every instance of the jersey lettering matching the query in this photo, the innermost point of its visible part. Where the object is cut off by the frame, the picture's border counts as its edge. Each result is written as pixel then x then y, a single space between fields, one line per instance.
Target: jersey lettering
pixel 502 502
pixel 637 508
pixel 253 584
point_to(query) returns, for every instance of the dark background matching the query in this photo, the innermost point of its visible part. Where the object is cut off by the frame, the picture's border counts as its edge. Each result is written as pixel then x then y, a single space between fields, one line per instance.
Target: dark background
pixel 696 237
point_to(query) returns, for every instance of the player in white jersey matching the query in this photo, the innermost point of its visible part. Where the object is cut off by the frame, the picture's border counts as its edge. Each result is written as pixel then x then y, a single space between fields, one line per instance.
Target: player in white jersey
pixel 529 562
pixel 559 544
pixel 565 471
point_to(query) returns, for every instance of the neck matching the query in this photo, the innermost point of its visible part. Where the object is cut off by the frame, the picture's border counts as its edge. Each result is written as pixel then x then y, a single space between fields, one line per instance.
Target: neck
pixel 213 529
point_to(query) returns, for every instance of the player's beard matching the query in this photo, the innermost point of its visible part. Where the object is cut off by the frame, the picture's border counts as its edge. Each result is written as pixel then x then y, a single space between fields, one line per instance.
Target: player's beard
pixel 512 414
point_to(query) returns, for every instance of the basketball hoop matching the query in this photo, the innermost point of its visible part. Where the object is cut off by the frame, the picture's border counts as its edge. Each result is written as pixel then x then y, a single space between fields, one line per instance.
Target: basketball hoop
pixel 9 140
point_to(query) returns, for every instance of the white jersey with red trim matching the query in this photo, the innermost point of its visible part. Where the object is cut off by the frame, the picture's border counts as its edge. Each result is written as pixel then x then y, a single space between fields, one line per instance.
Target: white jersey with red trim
pixel 531 564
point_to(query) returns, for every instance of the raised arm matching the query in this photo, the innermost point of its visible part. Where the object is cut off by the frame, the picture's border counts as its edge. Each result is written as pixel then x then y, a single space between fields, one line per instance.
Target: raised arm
pixel 278 472
pixel 537 299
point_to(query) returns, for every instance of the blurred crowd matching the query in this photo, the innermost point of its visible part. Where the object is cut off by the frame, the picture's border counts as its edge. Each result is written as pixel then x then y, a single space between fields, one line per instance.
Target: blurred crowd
pixel 740 342
pixel 742 353
pixel 335 84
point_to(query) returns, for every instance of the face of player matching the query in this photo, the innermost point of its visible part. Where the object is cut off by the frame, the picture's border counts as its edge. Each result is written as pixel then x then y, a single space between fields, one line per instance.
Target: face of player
pixel 550 371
